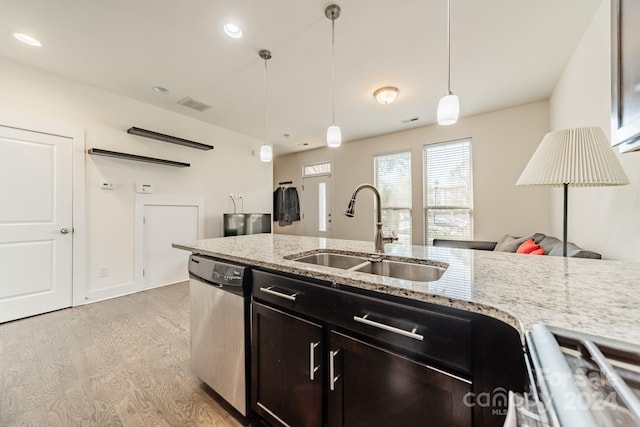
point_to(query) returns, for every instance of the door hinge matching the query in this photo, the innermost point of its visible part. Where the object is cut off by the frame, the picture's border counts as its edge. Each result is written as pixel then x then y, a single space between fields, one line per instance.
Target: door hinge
pixel 143 273
pixel 144 219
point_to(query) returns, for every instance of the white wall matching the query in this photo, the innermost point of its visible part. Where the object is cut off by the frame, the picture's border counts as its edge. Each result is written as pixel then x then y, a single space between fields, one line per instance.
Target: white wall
pixel 503 142
pixel 602 219
pixel 43 98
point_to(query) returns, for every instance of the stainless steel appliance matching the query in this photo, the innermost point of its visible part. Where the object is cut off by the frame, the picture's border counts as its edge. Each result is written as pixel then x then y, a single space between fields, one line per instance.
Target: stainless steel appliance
pixel 246 223
pixel 580 380
pixel 219 317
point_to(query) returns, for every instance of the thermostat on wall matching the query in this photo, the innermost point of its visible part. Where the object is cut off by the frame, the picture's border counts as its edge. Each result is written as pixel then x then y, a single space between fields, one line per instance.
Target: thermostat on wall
pixel 144 188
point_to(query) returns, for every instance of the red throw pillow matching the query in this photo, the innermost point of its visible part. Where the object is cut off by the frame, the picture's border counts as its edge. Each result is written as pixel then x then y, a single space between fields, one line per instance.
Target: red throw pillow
pixel 527 247
pixel 537 252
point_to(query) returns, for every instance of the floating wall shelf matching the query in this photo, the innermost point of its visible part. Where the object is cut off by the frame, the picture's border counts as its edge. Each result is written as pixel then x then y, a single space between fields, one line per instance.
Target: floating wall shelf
pixel 168 138
pixel 126 156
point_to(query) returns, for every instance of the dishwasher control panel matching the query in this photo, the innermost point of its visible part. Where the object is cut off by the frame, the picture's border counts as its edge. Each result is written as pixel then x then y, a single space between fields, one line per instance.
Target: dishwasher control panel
pixel 235 278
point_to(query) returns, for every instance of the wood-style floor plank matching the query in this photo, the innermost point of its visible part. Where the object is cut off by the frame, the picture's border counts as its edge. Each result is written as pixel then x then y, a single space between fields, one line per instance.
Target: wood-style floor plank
pixel 121 362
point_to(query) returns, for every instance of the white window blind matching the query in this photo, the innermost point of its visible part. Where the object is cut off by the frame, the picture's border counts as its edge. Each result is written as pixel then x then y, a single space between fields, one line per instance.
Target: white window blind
pixel 393 180
pixel 448 191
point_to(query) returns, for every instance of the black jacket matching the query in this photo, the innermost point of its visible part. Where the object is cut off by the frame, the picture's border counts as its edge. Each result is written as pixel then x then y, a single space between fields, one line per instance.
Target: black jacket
pixel 286 207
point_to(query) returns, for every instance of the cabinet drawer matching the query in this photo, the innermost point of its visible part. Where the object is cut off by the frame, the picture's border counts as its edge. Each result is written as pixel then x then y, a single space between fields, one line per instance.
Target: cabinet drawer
pixel 298 295
pixel 437 336
pixel 441 337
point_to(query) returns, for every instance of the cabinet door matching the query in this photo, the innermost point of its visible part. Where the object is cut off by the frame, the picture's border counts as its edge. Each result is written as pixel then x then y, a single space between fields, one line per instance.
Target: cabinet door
pixel 286 355
pixel 375 387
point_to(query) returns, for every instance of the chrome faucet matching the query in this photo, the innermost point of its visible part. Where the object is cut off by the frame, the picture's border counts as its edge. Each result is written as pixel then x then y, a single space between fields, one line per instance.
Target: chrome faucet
pixel 380 240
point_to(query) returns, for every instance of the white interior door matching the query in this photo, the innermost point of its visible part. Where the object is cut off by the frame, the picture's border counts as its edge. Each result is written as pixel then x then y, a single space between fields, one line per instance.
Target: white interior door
pixel 164 225
pixel 36 205
pixel 316 206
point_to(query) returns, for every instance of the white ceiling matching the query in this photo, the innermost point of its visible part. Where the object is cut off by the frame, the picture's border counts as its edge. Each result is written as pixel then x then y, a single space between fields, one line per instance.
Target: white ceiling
pixel 503 52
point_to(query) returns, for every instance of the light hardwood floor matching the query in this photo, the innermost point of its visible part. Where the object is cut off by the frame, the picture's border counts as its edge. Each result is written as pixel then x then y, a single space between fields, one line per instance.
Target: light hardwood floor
pixel 121 362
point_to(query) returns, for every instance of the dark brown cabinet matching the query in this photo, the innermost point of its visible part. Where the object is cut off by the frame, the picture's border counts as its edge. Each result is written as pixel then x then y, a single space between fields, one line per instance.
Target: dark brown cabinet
pixel 286 368
pixel 371 387
pixel 324 355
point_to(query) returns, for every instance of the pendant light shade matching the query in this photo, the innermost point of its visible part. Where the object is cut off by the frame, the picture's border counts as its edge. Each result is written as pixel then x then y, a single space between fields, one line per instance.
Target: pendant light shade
pixel 266 151
pixel 448 109
pixel 334 134
pixel 449 105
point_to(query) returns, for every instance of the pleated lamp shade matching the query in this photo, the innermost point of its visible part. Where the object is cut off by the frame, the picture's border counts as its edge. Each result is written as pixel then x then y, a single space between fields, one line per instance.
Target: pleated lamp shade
pixel 580 157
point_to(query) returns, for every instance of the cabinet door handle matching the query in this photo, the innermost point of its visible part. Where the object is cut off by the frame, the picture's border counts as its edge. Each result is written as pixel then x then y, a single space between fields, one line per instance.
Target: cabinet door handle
pixel 270 290
pixel 410 334
pixel 312 360
pixel 332 369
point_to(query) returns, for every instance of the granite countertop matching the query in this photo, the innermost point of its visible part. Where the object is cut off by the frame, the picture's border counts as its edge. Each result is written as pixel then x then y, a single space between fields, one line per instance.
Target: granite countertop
pixel 592 296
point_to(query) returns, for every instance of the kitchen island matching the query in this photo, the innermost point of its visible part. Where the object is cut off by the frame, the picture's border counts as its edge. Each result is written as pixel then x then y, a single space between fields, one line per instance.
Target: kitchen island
pixel 597 297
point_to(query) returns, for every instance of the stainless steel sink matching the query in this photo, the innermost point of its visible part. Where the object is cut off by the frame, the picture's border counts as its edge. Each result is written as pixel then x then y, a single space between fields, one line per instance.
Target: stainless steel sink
pixel 375 264
pixel 329 259
pixel 403 270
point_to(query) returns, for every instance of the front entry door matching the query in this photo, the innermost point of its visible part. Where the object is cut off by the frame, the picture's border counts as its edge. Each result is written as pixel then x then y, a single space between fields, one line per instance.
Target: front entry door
pixel 316 206
pixel 36 185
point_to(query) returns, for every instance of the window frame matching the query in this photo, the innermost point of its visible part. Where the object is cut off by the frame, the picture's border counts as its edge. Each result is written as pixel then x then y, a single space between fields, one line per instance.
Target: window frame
pixel 409 152
pixel 426 207
pixel 325 162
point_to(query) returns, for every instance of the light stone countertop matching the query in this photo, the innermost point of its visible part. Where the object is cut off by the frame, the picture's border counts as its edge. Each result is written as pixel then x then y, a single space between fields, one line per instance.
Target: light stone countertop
pixel 592 296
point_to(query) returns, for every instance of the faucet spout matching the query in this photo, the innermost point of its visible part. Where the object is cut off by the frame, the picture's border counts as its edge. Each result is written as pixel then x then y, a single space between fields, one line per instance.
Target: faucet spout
pixel 379 241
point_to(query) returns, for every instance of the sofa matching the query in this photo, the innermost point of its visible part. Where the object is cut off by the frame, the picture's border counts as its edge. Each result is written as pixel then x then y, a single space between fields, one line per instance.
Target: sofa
pixel 548 244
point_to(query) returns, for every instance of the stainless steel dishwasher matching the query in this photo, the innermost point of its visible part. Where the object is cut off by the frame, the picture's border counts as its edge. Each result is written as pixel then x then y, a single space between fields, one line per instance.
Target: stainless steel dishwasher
pixel 218 292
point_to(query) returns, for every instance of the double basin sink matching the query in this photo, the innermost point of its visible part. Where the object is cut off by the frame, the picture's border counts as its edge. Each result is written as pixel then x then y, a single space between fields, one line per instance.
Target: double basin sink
pixel 375 264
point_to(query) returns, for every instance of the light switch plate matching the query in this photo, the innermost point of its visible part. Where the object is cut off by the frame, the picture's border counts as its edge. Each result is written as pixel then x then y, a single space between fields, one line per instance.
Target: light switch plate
pixel 106 185
pixel 144 188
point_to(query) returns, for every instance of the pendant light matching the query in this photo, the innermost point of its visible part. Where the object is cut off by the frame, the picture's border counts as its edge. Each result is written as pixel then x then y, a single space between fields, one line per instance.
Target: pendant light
pixel 334 135
pixel 449 105
pixel 266 152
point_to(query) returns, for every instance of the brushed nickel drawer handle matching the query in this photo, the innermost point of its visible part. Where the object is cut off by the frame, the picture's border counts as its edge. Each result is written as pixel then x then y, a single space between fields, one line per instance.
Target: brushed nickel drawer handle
pixel 410 334
pixel 270 290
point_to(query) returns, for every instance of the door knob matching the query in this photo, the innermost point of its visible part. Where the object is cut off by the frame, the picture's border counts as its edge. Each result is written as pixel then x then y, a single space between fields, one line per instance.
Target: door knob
pixel 64 230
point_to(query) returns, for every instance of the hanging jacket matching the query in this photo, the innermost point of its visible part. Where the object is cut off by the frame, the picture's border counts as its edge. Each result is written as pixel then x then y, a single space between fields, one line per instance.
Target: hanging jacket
pixel 286 206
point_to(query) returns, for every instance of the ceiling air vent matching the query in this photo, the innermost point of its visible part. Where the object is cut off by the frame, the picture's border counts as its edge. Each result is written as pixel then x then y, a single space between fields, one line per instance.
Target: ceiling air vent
pixel 193 104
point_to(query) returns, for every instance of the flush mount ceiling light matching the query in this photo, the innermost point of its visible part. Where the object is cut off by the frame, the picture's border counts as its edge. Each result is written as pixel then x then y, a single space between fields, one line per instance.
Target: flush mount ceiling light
pixel 449 105
pixel 266 152
pixel 160 90
pixel 232 30
pixel 25 38
pixel 334 135
pixel 386 95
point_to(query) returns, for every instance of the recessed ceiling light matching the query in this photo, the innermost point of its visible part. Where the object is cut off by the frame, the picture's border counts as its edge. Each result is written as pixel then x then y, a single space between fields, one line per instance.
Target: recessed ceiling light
pixel 161 90
pixel 232 30
pixel 386 95
pixel 24 38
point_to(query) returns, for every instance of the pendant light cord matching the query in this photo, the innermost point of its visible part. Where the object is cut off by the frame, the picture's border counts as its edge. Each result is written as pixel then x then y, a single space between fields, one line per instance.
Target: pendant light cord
pixel 265 101
pixel 448 47
pixel 333 70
